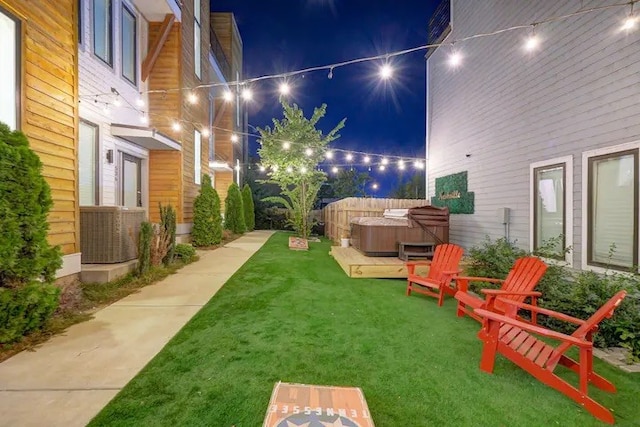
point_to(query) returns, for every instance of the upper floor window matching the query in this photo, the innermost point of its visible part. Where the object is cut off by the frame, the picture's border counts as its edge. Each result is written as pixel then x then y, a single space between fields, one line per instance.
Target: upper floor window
pixel 80 21
pixel 129 46
pixel 10 70
pixel 197 156
pixel 551 223
pixel 197 45
pixel 103 30
pixel 612 209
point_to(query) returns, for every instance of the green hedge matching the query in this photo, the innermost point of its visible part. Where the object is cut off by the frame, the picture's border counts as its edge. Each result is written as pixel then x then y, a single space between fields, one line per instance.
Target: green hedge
pixel 576 293
pixel 26 309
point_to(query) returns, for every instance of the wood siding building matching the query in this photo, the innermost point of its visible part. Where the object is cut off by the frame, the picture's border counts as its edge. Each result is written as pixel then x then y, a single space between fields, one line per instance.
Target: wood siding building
pixel 46 67
pixel 552 134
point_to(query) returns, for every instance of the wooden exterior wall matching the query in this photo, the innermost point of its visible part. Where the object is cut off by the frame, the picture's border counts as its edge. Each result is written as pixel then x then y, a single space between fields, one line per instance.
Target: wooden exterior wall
pixel 49 111
pixel 165 168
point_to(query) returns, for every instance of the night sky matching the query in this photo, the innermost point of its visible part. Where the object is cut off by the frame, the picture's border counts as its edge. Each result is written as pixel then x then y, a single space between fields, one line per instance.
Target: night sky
pixel 382 117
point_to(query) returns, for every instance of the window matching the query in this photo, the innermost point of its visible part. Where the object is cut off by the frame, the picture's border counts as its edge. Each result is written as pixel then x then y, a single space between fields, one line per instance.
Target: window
pixel 551 205
pixel 197 154
pixel 212 135
pixel 129 46
pixel 10 70
pixel 103 30
pixel 79 21
pixel 197 29
pixel 88 165
pixel 612 209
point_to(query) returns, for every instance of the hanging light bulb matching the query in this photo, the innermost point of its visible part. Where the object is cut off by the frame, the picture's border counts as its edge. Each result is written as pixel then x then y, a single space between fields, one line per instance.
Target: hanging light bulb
pixel 144 119
pixel 349 157
pixel 237 167
pixel 303 169
pixel 262 168
pixel 286 145
pixel 247 94
pixel 227 95
pixel 382 168
pixel 455 58
pixel 334 169
pixel 274 168
pixel 401 165
pixel 284 88
pixel 234 137
pixel 384 161
pixel 193 98
pixel 630 23
pixel 329 154
pixel 140 102
pixel 532 43
pixel 386 71
pixel 205 132
pixel 419 164
pixel 366 159
pixel 330 75
pixel 176 126
pixel 289 169
pixel 308 151
pixel 374 186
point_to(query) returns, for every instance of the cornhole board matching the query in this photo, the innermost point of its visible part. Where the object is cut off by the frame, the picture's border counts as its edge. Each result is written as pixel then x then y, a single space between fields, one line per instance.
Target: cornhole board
pixel 305 405
pixel 298 244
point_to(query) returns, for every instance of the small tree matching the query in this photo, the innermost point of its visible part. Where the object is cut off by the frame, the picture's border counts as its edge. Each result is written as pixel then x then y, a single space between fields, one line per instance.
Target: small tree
pixel 144 248
pixel 207 222
pixel 248 207
pixel 234 212
pixel 292 151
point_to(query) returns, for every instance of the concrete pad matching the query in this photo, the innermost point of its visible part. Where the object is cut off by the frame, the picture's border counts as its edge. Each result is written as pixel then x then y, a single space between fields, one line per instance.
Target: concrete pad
pixel 53 408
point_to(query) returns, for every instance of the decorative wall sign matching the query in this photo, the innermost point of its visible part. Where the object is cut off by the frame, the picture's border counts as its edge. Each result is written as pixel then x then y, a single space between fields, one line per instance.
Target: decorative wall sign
pixel 451 191
pixel 313 405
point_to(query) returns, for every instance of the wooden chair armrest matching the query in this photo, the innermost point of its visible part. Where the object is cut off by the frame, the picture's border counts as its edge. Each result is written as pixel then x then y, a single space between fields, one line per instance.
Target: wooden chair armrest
pixel 452 272
pixel 540 310
pixel 499 292
pixel 478 279
pixel 532 328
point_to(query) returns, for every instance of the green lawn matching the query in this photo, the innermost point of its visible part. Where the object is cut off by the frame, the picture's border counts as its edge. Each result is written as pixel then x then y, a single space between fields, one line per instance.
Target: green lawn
pixel 295 317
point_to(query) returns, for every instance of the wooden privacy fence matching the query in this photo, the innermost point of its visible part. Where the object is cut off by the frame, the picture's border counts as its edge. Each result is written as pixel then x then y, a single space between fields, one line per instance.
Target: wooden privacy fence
pixel 337 215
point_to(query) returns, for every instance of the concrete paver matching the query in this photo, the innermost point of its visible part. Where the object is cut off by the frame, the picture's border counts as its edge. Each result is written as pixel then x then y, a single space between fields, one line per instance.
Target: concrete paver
pixel 71 377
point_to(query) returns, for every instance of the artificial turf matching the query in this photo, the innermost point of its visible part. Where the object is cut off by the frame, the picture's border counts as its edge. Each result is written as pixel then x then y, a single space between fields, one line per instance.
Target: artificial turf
pixel 296 317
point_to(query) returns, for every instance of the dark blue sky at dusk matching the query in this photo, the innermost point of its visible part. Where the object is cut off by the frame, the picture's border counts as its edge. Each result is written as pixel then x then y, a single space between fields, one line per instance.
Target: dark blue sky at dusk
pixel 382 117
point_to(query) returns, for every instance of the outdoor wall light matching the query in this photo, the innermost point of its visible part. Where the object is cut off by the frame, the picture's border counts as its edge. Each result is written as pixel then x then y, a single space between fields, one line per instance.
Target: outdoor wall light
pixel 110 156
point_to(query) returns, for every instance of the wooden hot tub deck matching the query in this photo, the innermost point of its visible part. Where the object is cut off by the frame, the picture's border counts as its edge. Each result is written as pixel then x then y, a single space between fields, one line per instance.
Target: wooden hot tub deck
pixel 359 266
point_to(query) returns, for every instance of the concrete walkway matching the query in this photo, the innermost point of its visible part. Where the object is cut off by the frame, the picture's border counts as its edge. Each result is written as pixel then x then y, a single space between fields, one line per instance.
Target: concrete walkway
pixel 70 378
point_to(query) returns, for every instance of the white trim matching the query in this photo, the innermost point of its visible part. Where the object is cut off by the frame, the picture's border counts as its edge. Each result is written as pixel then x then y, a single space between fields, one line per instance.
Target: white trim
pixel 568 197
pixel 70 265
pixel 220 166
pixel 147 138
pixel 635 145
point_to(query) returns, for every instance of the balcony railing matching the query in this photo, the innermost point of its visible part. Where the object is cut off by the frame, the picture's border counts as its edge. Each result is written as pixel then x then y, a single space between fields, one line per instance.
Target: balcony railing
pixel 218 54
pixel 439 25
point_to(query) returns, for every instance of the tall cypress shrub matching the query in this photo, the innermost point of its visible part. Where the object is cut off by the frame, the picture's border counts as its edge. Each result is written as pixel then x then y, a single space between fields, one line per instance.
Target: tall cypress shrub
pixel 234 215
pixel 207 222
pixel 168 223
pixel 248 208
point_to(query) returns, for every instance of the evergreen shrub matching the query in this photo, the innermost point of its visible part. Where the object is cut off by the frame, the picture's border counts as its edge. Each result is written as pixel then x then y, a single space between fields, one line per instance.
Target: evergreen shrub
pixel 144 248
pixel 207 221
pixel 185 252
pixel 248 208
pixel 26 309
pixel 168 224
pixel 234 213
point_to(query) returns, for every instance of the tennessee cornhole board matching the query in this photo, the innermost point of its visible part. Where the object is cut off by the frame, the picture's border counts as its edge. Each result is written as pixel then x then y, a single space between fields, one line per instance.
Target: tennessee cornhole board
pixel 301 405
pixel 298 244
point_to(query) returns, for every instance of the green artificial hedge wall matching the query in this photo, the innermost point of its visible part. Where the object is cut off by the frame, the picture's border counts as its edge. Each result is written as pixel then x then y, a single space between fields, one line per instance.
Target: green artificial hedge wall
pixel 451 191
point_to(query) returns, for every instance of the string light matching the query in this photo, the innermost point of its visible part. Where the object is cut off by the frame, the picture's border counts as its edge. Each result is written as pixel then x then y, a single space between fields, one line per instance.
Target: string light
pixel 335 169
pixel 532 41
pixel 308 151
pixel 247 94
pixel 401 165
pixel 303 169
pixel 176 126
pixel 205 132
pixel 237 167
pixel 144 119
pixel 455 58
pixel 227 95
pixel 419 164
pixel 284 88
pixel 262 168
pixel 384 161
pixel 286 145
pixel 289 169
pixel 274 168
pixel 630 22
pixel 366 159
pixel 386 72
pixel 234 137
pixel 140 102
pixel 329 154
pixel 381 168
pixel 349 157
pixel 193 98
pixel 374 186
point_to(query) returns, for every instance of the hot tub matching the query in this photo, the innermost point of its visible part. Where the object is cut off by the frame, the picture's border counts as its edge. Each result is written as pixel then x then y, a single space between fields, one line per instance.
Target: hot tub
pixel 379 236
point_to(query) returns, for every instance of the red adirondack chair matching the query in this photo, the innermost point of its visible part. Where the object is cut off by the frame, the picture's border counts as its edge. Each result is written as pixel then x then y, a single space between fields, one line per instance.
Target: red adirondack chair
pixel 514 339
pixel 443 266
pixel 519 284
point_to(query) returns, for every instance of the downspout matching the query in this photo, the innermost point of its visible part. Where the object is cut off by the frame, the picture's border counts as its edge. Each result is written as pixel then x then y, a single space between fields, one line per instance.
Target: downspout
pixel 426 139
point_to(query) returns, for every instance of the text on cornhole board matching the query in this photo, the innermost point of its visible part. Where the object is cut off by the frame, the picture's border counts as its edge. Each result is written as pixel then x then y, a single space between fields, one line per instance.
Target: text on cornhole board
pixel 298 404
